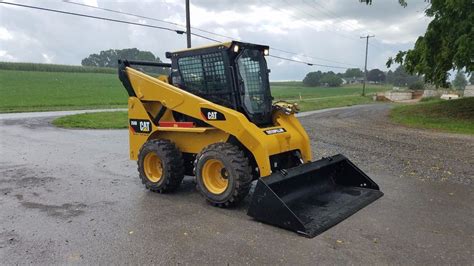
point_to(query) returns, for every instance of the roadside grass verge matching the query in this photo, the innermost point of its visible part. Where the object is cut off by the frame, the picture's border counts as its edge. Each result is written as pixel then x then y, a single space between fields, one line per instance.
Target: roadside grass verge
pixel 27 91
pixel 456 116
pixel 100 120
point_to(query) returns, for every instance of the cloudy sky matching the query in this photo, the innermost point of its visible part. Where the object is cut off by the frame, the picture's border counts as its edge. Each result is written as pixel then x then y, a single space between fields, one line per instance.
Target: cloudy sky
pixel 322 32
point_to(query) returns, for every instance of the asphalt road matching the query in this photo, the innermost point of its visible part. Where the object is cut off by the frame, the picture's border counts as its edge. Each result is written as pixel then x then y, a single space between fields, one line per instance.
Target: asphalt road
pixel 73 197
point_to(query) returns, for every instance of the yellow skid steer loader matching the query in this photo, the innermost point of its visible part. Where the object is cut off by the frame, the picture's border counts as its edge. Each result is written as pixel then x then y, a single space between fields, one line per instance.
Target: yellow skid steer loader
pixel 213 117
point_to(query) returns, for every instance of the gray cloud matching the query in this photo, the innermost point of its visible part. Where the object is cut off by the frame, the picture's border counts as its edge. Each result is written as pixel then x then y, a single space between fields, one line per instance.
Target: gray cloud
pixel 328 30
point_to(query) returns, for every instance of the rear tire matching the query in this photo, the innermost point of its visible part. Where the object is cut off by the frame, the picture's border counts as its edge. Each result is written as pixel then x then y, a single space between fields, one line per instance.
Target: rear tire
pixel 223 174
pixel 160 165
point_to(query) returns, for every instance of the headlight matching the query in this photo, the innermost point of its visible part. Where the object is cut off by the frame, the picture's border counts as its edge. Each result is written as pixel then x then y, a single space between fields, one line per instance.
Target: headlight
pixel 266 52
pixel 236 48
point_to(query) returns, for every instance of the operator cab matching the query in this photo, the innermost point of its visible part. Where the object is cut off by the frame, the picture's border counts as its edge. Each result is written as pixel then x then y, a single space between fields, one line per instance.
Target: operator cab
pixel 232 74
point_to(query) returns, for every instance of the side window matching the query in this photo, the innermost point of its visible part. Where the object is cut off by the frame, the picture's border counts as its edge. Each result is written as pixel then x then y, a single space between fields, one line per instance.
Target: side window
pixel 192 72
pixel 214 72
pixel 205 76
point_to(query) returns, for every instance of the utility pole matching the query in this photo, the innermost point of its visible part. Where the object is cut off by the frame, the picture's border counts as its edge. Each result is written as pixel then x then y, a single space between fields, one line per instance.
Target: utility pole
pixel 365 67
pixel 188 24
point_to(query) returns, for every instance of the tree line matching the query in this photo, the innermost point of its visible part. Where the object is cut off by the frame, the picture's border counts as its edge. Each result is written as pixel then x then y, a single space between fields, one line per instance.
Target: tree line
pixel 109 58
pixel 399 77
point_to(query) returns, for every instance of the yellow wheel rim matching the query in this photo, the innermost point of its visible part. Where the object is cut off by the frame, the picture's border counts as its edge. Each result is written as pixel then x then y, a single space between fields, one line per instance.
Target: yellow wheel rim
pixel 214 176
pixel 153 167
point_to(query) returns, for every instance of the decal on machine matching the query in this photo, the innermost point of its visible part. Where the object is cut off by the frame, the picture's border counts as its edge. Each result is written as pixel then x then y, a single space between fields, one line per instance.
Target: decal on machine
pixel 140 126
pixel 212 115
pixel 274 131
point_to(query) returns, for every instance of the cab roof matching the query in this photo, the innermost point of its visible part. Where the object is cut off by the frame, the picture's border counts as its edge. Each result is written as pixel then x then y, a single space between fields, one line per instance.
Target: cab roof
pixel 214 46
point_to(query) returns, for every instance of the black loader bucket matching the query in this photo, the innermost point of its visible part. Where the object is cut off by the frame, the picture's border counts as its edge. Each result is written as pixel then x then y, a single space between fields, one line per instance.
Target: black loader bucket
pixel 313 197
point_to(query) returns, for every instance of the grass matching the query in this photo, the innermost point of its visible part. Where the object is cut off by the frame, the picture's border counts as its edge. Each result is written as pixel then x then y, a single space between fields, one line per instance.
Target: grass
pixel 54 68
pixel 27 91
pixel 24 91
pixel 456 116
pixel 332 102
pixel 293 90
pixel 100 120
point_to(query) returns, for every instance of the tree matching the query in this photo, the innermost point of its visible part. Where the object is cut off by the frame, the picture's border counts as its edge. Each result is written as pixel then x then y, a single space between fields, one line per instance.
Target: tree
pixel 331 80
pixel 447 44
pixel 400 77
pixel 460 81
pixel 313 78
pixel 109 58
pixel 376 75
pixel 389 77
pixel 353 73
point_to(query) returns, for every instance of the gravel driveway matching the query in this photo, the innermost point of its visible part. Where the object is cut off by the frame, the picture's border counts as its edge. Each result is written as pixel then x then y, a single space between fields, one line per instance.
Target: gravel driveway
pixel 72 196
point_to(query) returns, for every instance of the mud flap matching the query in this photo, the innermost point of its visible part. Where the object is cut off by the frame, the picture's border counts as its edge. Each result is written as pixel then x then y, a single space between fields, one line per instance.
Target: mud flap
pixel 313 197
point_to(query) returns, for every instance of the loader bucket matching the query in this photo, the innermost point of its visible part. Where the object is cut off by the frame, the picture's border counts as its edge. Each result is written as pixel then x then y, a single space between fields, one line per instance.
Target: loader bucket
pixel 313 197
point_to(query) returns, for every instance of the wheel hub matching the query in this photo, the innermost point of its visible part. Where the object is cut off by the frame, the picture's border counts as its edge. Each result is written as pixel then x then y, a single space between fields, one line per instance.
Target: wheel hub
pixel 153 167
pixel 215 176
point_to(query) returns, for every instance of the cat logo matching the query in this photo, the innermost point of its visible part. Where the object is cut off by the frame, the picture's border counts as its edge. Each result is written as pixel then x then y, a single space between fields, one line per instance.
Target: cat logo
pixel 213 115
pixel 140 126
pixel 144 126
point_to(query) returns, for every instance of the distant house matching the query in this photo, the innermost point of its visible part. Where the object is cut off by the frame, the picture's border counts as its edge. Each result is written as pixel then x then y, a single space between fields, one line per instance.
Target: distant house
pixel 353 80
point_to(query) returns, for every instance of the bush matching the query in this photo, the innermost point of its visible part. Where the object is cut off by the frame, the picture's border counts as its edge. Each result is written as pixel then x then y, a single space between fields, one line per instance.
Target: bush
pixel 312 79
pixel 331 80
pixel 418 85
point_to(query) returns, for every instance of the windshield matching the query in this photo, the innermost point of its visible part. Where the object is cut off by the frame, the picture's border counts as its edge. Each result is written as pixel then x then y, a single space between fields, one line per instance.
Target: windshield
pixel 252 70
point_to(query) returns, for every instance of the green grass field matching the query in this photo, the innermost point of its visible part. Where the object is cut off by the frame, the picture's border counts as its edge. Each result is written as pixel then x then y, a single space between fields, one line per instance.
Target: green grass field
pixel 54 68
pixel 293 90
pixel 24 91
pixel 456 116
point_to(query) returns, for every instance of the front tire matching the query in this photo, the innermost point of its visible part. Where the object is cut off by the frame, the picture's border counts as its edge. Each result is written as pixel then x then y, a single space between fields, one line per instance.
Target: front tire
pixel 223 174
pixel 160 165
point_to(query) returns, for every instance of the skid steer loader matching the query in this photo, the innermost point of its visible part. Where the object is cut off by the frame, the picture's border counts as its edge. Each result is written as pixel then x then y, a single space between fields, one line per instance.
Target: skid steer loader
pixel 213 118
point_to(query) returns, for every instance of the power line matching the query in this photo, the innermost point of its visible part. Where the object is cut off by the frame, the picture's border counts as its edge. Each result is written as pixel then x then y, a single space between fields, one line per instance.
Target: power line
pixel 306 63
pixel 335 16
pixel 305 20
pixel 209 32
pixel 328 13
pixel 106 19
pixel 144 17
pixel 313 57
pixel 312 26
pixel 155 27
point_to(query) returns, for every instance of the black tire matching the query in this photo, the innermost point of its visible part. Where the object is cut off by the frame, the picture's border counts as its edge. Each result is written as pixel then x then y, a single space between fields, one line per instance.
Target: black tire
pixel 236 170
pixel 171 161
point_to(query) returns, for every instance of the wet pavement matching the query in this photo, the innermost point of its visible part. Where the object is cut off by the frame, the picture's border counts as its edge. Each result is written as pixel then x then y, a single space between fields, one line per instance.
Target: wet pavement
pixel 72 196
